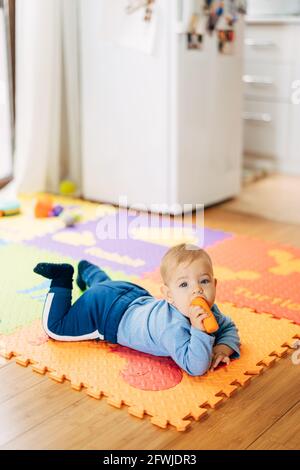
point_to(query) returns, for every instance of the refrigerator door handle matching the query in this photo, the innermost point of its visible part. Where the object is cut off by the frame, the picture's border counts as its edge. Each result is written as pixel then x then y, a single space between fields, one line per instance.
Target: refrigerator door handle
pixel 258 80
pixel 258 117
pixel 259 43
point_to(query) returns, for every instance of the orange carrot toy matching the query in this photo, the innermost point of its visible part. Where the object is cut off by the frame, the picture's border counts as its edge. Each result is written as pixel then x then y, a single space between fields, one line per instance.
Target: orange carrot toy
pixel 210 323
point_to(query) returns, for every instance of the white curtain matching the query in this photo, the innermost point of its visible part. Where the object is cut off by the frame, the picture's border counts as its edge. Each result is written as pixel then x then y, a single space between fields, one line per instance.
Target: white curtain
pixel 47 138
pixel 5 100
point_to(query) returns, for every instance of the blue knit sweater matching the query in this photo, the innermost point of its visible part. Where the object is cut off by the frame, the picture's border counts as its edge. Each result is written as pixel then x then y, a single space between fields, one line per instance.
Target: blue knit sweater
pixel 157 327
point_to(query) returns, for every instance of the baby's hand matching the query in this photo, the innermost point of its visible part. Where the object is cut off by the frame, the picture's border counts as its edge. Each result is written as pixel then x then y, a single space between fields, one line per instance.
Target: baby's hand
pixel 217 359
pixel 196 316
pixel 221 353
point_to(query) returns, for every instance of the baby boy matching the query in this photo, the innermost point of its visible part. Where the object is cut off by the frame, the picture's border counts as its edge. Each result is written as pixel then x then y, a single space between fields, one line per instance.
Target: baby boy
pixel 125 313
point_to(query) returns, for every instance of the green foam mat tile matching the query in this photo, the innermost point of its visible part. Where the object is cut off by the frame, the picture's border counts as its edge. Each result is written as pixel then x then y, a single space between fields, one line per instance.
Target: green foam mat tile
pixel 22 292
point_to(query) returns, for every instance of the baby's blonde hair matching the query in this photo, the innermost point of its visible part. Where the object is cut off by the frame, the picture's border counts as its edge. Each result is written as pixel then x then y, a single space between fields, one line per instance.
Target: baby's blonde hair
pixel 183 253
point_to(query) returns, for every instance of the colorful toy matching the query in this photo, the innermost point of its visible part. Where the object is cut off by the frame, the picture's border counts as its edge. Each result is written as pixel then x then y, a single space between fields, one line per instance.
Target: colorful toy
pixel 9 208
pixel 43 207
pixel 56 211
pixel 67 188
pixel 71 217
pixel 210 323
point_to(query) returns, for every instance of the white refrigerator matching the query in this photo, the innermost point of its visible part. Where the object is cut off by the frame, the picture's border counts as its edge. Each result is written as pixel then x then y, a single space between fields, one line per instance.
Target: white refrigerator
pixel 161 123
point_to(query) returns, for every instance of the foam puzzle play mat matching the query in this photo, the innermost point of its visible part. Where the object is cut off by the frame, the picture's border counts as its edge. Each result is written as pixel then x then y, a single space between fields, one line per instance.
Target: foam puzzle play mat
pixel 258 287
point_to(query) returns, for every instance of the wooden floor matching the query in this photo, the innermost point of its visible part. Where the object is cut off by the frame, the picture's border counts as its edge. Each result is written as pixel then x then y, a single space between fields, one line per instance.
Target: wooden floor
pixel 277 196
pixel 36 413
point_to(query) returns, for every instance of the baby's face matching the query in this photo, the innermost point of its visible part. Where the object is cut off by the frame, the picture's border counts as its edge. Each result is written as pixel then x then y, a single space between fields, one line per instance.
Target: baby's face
pixel 188 281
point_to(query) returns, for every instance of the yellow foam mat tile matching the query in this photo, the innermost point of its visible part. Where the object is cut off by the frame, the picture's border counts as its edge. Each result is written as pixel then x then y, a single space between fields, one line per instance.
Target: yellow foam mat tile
pixel 25 226
pixel 120 374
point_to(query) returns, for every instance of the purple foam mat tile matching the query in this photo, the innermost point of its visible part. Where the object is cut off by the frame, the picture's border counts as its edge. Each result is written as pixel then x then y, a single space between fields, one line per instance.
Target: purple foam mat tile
pixel 110 243
pixel 129 255
pixel 203 238
pixel 212 236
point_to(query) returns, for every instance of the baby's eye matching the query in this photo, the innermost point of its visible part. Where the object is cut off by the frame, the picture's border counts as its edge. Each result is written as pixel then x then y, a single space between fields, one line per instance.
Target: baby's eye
pixel 205 281
pixel 183 284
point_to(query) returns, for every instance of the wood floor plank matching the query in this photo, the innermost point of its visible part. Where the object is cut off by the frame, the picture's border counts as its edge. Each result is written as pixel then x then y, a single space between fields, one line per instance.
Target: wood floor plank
pixel 34 405
pixel 15 379
pixel 274 197
pixel 284 434
pixel 243 224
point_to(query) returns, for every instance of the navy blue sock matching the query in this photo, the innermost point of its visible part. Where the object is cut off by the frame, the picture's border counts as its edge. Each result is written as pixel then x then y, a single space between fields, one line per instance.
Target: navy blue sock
pixel 61 274
pixel 82 266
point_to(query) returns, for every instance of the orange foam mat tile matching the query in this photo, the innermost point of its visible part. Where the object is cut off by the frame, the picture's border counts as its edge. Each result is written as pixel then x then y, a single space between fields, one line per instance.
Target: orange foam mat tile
pixel 261 275
pixel 151 385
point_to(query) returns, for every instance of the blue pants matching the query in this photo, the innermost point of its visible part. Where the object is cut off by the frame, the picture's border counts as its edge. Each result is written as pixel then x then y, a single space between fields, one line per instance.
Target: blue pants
pixel 96 314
